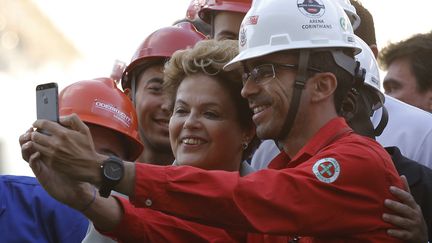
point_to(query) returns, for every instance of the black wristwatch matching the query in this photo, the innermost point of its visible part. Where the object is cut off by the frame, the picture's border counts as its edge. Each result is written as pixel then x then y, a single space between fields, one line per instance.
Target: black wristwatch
pixel 112 172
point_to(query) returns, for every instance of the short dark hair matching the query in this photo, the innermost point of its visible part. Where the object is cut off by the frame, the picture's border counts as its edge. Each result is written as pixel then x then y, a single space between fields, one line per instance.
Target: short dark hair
pixel 324 60
pixel 366 29
pixel 143 66
pixel 418 51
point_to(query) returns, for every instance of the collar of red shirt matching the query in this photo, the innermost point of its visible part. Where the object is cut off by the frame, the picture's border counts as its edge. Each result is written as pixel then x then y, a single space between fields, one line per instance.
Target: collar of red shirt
pixel 330 132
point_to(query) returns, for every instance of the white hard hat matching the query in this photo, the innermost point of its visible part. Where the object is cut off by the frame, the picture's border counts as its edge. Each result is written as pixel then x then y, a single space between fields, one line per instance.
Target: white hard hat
pixel 351 12
pixel 368 62
pixel 277 25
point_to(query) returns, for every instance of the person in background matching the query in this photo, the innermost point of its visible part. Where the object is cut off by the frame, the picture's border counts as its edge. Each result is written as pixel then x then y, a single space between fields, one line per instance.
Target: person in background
pixel 29 214
pixel 142 82
pixel 408 128
pixel 112 122
pixel 224 17
pixel 409 70
pixel 364 99
pixel 192 17
pixel 407 140
pixel 413 135
pixel 108 113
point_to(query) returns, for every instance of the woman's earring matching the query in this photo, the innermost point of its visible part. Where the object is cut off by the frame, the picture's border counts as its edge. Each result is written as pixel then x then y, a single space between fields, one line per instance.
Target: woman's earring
pixel 245 145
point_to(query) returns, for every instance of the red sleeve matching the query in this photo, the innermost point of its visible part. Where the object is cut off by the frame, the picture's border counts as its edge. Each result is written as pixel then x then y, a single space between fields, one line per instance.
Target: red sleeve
pixel 288 201
pixel 146 225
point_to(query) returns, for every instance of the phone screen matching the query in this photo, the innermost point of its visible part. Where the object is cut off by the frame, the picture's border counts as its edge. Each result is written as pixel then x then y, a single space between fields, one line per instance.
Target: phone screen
pixel 47 101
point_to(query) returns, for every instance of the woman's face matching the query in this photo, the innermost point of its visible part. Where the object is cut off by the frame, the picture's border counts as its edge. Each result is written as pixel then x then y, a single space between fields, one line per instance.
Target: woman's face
pixel 204 128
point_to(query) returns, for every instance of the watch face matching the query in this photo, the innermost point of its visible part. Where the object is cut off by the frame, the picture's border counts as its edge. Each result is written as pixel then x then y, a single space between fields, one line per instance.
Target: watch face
pixel 113 170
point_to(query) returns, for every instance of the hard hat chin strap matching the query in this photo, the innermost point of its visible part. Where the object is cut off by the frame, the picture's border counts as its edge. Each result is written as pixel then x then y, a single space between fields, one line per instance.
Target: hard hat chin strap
pixel 383 122
pixel 212 30
pixel 133 89
pixel 299 85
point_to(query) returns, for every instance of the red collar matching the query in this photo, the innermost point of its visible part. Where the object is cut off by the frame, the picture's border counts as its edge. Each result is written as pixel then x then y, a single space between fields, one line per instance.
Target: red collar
pixel 326 135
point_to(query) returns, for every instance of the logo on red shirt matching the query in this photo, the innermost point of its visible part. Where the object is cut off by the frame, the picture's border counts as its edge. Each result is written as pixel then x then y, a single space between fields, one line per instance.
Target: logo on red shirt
pixel 326 170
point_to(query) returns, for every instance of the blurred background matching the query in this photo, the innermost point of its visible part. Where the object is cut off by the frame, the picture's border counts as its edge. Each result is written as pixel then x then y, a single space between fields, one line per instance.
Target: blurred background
pixel 66 41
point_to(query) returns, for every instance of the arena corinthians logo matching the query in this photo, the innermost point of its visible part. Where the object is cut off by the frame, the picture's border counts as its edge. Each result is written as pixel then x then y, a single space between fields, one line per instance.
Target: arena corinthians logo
pixel 311 8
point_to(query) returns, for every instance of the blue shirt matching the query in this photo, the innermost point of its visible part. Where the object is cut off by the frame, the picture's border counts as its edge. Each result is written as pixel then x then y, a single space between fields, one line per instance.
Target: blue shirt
pixel 29 214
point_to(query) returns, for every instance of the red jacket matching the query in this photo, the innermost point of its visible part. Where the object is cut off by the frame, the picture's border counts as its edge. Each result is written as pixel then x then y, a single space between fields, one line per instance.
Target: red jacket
pixel 146 225
pixel 333 190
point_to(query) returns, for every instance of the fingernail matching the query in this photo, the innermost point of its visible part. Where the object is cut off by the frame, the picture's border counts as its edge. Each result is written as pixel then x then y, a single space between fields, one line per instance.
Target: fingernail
pixel 27 145
pixel 392 188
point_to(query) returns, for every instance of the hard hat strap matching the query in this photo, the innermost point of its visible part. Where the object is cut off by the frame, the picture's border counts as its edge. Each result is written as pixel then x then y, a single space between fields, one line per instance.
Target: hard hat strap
pixel 344 61
pixel 299 84
pixel 133 89
pixel 383 122
pixel 212 29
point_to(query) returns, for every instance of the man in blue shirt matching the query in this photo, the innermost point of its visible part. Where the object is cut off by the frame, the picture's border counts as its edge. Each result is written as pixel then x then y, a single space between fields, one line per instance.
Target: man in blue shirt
pixel 29 214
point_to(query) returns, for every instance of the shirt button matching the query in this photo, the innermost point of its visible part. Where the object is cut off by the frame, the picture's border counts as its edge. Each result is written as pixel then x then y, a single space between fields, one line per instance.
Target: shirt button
pixel 148 202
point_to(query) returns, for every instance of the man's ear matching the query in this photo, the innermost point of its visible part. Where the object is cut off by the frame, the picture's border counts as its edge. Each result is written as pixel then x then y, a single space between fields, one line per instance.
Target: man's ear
pixel 349 106
pixel 323 86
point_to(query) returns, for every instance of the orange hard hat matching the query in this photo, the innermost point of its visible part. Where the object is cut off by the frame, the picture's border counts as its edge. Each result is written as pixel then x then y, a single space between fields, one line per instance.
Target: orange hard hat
pixel 238 6
pixel 160 45
pixel 100 102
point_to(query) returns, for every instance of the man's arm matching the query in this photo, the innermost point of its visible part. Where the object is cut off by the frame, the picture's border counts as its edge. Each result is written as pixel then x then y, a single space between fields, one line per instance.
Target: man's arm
pixel 109 215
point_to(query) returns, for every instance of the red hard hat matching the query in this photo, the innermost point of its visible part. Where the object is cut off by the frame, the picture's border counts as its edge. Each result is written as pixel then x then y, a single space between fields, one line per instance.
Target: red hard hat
pixel 238 6
pixel 100 102
pixel 160 45
pixel 193 9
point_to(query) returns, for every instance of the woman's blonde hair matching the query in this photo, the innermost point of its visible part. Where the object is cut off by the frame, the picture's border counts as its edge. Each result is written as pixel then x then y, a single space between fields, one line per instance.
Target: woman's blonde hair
pixel 209 57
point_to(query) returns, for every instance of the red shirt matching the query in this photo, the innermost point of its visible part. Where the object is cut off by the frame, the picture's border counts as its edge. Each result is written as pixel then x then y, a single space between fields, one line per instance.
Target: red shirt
pixel 333 190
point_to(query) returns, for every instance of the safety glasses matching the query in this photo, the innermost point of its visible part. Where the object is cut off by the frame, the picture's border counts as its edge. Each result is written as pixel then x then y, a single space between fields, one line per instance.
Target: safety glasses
pixel 265 72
